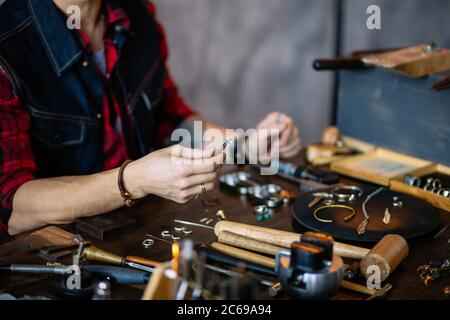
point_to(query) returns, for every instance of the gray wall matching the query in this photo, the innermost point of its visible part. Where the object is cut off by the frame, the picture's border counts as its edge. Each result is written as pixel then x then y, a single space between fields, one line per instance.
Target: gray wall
pixel 236 60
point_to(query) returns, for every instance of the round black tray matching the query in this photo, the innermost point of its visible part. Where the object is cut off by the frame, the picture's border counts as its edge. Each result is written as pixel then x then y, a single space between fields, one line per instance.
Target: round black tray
pixel 415 218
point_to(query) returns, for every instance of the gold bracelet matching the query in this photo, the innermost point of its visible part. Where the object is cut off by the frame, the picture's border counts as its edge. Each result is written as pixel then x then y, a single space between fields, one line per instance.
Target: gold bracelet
pixel 346 219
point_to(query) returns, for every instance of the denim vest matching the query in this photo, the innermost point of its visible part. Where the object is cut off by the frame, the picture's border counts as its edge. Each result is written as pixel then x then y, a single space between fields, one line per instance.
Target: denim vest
pixel 64 97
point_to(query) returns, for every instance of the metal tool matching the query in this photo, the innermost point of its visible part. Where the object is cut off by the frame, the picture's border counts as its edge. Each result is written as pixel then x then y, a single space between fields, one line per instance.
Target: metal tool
pixel 381 293
pixel 199 276
pixel 187 256
pixel 117 274
pixel 189 223
pixel 157 238
pixel 214 255
pixel 95 254
pixel 440 232
pixel 308 174
pixel 310 270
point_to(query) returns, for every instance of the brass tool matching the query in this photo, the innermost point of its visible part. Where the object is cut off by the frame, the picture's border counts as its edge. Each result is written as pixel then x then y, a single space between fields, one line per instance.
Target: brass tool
pixel 95 254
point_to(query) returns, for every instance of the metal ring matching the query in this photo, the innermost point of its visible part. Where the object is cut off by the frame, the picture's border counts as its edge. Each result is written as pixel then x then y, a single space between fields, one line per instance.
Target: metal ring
pixel 413 181
pixel 262 209
pixel 179 229
pixel 166 234
pixel 436 183
pixel 187 231
pixel 347 196
pixel 397 204
pixel 273 202
pixel 173 237
pixel 272 188
pixel 203 187
pixel 147 243
pixel 346 219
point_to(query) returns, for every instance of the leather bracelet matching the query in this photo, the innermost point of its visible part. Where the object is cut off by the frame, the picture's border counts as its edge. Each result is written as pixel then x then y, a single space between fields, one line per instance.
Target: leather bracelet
pixel 126 195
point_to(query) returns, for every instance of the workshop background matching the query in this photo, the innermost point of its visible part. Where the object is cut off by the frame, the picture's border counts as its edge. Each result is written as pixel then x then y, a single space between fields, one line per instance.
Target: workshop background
pixel 237 60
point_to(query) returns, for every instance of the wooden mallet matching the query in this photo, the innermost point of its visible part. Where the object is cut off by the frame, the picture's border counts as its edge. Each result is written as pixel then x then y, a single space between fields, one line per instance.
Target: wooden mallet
pixel 387 254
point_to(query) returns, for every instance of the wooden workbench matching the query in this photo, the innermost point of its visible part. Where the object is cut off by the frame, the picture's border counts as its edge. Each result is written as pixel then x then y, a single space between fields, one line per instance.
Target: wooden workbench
pixel 155 214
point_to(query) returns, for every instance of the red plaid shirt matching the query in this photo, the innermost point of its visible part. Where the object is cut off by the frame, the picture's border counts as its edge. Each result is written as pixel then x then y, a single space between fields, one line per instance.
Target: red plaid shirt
pixel 17 164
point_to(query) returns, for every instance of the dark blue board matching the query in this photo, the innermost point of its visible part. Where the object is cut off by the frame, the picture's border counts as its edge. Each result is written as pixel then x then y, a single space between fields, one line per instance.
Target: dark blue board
pixel 395 112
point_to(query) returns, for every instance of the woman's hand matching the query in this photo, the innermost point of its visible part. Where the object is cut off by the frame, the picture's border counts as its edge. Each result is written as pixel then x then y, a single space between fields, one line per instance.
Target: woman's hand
pixel 279 132
pixel 176 173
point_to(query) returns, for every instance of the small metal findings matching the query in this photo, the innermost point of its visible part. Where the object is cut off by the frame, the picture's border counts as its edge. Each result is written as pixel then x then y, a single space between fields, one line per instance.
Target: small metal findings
pixel 395 198
pixel 398 204
pixel 273 202
pixel 436 183
pixel 166 234
pixel 187 231
pixel 203 220
pixel 387 217
pixel 173 237
pixel 209 221
pixel 221 215
pixel 275 289
pixel 263 209
pixel 147 243
pixel 272 188
pixel 362 227
pixel 329 202
pixel 183 230
pixel 287 196
pixel 412 181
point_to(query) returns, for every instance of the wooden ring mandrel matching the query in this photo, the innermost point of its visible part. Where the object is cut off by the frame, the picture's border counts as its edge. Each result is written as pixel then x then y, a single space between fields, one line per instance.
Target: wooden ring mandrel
pixel 387 254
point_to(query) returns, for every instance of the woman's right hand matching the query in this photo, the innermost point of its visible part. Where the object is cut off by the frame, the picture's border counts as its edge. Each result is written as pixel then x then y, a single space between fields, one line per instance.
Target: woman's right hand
pixel 175 173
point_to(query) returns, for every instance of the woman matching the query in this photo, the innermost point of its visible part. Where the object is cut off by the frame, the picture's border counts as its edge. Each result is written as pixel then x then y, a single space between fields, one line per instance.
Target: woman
pixel 77 103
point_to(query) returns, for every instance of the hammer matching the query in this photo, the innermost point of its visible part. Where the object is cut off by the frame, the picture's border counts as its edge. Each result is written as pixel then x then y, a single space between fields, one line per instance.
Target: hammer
pixel 387 254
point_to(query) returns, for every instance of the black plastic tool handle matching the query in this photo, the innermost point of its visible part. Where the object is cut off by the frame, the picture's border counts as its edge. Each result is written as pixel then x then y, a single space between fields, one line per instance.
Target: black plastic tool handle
pixel 119 275
pixel 338 64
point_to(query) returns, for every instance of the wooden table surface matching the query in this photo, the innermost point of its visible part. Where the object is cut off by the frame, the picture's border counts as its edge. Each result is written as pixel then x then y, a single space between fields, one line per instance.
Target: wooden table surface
pixel 155 214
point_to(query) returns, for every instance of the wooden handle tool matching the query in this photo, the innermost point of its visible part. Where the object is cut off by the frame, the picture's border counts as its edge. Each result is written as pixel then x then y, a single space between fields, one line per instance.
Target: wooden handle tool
pixel 270 263
pixel 238 241
pixel 387 254
pixel 283 239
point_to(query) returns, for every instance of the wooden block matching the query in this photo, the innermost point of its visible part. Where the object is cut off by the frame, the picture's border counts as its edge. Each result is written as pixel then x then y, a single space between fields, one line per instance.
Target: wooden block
pixel 104 226
pixel 438 201
pixel 415 61
pixel 379 166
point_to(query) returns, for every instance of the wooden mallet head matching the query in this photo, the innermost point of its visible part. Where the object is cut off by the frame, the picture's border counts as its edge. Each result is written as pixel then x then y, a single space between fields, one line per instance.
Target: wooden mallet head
pixel 387 254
